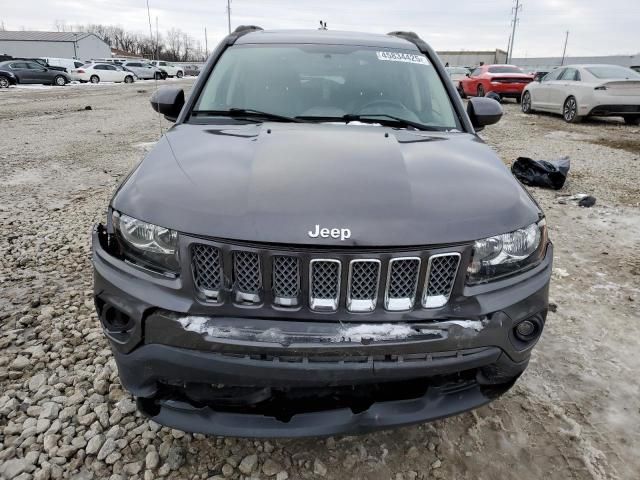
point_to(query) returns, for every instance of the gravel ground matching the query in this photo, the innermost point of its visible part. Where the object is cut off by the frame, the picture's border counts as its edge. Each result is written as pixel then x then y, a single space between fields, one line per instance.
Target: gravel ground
pixel 63 414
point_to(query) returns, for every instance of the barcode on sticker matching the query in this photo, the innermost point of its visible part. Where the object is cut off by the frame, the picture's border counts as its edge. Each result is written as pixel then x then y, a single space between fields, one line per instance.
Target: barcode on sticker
pixel 402 57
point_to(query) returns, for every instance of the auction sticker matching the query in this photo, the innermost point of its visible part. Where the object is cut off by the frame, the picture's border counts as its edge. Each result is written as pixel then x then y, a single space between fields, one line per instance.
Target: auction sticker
pixel 402 57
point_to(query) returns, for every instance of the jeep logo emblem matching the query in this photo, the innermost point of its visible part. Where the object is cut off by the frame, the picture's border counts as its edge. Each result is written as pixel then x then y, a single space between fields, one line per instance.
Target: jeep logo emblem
pixel 341 233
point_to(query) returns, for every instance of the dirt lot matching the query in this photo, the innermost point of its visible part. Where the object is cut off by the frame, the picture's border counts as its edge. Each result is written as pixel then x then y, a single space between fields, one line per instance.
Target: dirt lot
pixel 574 414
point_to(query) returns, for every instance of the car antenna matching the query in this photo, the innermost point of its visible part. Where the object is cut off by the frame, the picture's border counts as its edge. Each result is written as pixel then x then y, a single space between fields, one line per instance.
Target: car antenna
pixel 323 25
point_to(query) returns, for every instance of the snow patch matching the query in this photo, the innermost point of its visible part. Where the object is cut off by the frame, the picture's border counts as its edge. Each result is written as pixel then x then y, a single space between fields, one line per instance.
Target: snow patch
pixel 476 325
pixel 199 325
pixel 386 331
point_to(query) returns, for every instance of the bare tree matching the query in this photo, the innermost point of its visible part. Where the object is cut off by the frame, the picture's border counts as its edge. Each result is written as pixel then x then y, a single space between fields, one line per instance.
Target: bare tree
pixel 2 26
pixel 60 25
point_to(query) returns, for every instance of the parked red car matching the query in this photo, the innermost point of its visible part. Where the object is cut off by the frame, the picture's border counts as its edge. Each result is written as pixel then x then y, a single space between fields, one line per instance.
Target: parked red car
pixel 505 80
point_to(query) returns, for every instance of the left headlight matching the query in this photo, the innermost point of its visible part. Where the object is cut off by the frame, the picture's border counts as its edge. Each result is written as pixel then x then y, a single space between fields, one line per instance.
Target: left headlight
pixel 503 255
pixel 147 245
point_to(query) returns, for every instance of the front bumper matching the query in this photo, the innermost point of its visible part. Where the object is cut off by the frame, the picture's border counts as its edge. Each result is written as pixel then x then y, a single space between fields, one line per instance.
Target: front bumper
pixel 167 347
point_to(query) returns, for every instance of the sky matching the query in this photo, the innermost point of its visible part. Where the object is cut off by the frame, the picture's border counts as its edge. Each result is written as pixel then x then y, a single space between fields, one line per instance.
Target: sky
pixel 597 27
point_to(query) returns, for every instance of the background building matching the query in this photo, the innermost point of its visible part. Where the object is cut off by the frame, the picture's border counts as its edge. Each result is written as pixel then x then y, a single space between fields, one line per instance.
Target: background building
pixel 549 63
pixel 80 45
pixel 472 58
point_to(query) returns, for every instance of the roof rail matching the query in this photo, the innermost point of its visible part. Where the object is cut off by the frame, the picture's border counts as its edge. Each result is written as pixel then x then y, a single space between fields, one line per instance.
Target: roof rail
pixel 247 28
pixel 240 31
pixel 413 38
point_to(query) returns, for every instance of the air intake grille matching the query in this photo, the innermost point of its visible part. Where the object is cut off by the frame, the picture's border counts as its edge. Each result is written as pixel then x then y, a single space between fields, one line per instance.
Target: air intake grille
pixel 325 285
pixel 231 275
pixel 286 277
pixel 247 274
pixel 402 283
pixel 441 275
pixel 207 269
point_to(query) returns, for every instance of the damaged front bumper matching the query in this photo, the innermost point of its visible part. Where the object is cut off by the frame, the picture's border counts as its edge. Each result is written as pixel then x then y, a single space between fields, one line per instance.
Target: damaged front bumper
pixel 257 377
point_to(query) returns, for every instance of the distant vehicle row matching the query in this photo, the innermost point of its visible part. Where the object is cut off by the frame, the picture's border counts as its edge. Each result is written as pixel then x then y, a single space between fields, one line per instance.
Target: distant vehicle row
pixel 573 91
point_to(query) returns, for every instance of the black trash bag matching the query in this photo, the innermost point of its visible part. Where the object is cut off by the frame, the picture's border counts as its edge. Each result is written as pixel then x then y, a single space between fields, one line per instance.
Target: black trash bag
pixel 494 96
pixel 541 173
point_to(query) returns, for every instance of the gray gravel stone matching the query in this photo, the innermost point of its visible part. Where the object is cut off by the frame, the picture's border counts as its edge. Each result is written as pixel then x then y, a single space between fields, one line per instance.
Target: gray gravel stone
pixel 95 444
pixel 248 463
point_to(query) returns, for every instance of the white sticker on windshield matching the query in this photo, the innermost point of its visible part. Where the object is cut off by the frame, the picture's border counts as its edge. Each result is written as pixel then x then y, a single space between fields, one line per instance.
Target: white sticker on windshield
pixel 402 57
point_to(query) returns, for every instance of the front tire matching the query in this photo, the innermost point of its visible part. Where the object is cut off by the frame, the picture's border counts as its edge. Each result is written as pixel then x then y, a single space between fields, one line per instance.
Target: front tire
pixel 570 110
pixel 480 91
pixel 179 74
pixel 525 103
pixel 94 79
pixel 128 79
pixel 158 76
pixel 60 81
pixel 4 82
pixel 628 119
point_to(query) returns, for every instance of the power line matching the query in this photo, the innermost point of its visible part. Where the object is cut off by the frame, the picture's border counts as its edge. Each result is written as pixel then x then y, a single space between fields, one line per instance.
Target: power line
pixel 514 22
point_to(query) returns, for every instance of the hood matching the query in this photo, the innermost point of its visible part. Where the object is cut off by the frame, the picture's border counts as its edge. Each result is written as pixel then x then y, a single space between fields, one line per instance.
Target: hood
pixel 274 182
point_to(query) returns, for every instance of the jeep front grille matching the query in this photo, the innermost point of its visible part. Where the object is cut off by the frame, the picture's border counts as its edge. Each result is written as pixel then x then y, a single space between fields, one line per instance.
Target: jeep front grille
pixel 324 278
pixel 441 273
pixel 364 277
pixel 207 270
pixel 223 273
pixel 286 280
pixel 402 283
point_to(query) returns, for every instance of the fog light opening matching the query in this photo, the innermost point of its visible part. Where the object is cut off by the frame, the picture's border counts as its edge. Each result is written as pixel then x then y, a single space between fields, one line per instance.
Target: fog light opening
pixel 527 330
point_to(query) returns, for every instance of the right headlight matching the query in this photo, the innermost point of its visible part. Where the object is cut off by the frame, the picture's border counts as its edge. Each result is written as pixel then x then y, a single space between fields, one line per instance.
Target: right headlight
pixel 503 255
pixel 147 245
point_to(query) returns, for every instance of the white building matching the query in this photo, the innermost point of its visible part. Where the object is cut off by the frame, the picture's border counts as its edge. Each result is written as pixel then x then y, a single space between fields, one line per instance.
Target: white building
pixel 80 45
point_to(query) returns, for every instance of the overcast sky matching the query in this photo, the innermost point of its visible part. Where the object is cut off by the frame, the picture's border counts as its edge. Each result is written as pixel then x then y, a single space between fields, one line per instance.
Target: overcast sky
pixel 597 27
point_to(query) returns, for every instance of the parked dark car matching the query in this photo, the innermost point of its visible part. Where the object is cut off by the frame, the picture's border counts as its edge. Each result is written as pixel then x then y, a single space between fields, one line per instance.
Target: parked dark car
pixel 193 70
pixel 27 71
pixel 321 244
pixel 7 78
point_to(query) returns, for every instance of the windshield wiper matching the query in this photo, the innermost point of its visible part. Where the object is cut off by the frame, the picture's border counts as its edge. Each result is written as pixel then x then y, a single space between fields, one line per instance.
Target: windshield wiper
pixel 381 118
pixel 246 113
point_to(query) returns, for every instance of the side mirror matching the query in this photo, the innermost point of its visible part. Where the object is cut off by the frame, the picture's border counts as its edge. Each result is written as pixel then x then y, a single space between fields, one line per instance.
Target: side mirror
pixel 483 111
pixel 168 101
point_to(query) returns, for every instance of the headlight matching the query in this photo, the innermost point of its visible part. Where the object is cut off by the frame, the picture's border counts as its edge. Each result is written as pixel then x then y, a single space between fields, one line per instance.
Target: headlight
pixel 147 245
pixel 506 254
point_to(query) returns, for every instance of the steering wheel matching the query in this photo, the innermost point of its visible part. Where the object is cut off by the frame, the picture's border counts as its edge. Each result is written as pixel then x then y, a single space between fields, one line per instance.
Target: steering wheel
pixel 394 104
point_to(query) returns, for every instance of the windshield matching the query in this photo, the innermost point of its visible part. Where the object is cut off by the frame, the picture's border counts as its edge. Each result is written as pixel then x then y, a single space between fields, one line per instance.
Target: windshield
pixel 505 69
pixel 328 81
pixel 613 71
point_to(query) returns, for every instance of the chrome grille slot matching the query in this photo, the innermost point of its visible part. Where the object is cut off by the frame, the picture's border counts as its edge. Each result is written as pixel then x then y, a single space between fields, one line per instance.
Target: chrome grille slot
pixel 247 276
pixel 286 280
pixel 324 280
pixel 402 283
pixel 441 275
pixel 207 270
pixel 364 277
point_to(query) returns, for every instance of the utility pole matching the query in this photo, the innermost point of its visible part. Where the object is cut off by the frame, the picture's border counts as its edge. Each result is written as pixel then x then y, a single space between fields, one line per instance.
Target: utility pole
pixel 206 43
pixel 229 14
pixel 564 50
pixel 514 22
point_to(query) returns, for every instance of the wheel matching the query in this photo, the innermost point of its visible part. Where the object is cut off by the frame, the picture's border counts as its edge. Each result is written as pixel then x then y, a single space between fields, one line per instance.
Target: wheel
pixel 518 99
pixel 570 111
pixel 461 91
pixel 158 76
pixel 94 79
pixel 628 119
pixel 128 79
pixel 4 82
pixel 60 81
pixel 179 74
pixel 480 91
pixel 525 103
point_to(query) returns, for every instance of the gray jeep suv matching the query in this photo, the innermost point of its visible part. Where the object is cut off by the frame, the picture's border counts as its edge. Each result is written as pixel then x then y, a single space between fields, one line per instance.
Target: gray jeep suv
pixel 321 244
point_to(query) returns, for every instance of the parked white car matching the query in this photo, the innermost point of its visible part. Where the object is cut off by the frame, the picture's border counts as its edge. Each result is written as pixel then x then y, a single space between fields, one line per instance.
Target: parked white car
pixel 172 70
pixel 102 72
pixel 578 91
pixel 67 63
